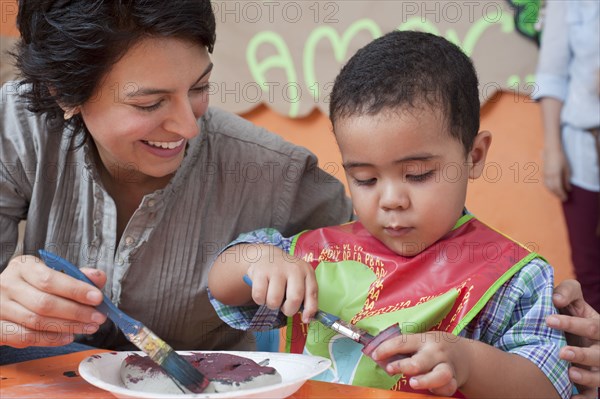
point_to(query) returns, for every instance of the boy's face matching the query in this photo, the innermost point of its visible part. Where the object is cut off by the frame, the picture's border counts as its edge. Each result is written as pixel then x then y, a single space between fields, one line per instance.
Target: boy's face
pixel 407 175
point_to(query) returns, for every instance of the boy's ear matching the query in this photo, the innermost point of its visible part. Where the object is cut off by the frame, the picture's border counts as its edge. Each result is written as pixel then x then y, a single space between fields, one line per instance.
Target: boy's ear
pixel 478 153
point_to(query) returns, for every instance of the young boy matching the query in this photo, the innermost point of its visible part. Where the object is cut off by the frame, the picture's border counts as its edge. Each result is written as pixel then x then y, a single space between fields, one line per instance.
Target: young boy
pixel 470 302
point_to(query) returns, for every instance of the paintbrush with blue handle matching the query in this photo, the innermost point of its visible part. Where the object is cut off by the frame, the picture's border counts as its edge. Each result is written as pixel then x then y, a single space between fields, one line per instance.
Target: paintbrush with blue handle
pixel 369 342
pixel 181 372
pixel 328 320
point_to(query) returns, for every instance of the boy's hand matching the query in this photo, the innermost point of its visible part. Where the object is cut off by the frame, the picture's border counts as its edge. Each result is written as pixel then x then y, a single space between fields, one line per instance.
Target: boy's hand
pixel 435 364
pixel 285 282
pixel 443 363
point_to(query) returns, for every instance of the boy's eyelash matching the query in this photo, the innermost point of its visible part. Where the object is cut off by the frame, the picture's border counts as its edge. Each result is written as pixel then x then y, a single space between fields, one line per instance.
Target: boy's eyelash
pixel 412 178
pixel 420 178
pixel 368 182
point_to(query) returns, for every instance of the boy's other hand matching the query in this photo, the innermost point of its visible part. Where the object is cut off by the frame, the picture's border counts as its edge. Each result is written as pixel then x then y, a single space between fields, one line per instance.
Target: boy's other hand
pixel 444 363
pixel 435 364
pixel 582 325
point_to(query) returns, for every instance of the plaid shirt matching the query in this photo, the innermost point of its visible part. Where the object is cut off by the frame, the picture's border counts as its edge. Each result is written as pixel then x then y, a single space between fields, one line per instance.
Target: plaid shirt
pixel 513 320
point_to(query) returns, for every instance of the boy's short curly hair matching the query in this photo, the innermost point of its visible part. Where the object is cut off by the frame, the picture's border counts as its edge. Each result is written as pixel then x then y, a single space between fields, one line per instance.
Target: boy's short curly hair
pixel 409 69
pixel 67 47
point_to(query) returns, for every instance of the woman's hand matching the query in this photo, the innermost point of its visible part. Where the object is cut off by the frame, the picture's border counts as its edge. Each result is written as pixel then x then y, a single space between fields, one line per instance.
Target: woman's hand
pixel 582 325
pixel 43 307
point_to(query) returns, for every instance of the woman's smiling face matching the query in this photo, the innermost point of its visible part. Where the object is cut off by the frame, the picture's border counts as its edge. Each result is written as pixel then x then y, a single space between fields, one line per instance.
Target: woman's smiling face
pixel 146 108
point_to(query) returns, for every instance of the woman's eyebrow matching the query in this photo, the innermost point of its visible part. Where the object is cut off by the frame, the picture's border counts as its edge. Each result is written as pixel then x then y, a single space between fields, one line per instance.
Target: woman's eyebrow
pixel 140 92
pixel 208 69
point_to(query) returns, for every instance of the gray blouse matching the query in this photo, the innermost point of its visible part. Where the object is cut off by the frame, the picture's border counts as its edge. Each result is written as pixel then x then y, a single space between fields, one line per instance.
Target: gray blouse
pixel 235 178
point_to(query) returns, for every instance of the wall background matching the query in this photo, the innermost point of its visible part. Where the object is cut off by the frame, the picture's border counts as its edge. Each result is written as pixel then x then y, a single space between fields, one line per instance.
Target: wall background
pixel 510 196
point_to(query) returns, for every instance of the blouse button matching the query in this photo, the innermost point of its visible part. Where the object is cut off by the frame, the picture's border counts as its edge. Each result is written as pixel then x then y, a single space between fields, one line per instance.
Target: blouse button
pixel 129 240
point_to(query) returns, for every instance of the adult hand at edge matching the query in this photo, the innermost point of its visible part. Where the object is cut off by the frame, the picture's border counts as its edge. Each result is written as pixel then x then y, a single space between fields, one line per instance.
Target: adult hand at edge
pixel 582 325
pixel 42 307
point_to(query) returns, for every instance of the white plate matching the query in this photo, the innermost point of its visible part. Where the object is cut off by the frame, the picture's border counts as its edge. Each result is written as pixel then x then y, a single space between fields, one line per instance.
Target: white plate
pixel 103 371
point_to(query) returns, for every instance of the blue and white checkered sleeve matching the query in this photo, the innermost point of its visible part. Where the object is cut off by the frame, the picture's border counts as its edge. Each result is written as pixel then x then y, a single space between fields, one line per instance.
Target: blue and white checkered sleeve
pixel 514 320
pixel 253 318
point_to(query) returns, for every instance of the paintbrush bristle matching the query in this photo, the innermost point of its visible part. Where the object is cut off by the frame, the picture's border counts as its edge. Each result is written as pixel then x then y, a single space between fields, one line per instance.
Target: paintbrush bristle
pixel 186 374
pixel 365 338
pixel 174 365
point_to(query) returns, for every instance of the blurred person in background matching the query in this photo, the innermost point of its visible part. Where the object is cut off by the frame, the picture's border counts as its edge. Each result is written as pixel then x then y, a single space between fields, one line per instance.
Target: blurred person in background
pixel 568 91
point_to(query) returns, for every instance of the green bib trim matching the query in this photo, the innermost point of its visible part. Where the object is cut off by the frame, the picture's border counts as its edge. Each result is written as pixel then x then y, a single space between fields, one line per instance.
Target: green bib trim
pixel 492 290
pixel 462 220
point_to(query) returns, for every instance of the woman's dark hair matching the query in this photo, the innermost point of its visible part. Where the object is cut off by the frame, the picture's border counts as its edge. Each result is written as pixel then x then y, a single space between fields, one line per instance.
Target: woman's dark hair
pixel 410 69
pixel 66 47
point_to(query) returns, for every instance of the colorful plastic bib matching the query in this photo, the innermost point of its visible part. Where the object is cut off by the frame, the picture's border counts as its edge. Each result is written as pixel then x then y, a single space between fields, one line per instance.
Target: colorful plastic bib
pixel 363 282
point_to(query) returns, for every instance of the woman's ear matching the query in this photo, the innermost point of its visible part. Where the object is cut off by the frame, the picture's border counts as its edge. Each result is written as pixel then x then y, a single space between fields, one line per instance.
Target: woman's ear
pixel 69 112
pixel 478 153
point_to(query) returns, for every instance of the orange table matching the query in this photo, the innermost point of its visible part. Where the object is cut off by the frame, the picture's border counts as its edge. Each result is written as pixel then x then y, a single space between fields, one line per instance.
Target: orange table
pixel 57 377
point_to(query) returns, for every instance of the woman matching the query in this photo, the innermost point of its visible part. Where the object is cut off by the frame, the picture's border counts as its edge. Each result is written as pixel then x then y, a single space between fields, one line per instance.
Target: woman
pixel 111 154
